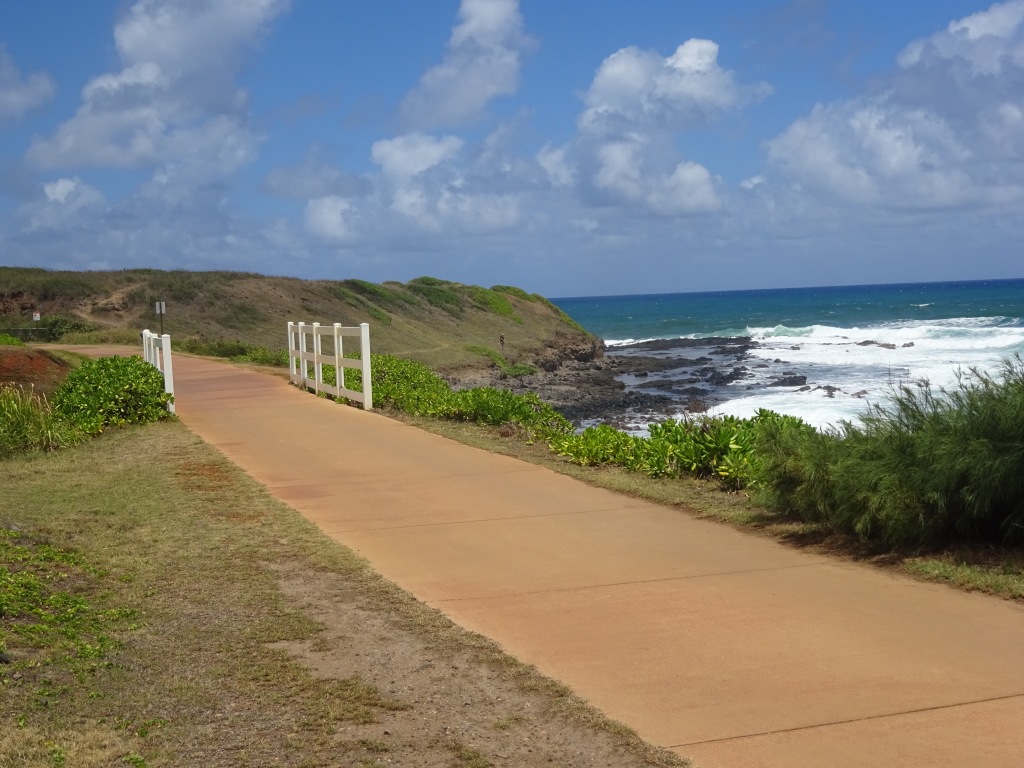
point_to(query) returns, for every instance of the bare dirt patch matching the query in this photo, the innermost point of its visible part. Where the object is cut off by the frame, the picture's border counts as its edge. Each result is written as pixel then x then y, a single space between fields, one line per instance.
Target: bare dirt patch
pixel 30 367
pixel 459 701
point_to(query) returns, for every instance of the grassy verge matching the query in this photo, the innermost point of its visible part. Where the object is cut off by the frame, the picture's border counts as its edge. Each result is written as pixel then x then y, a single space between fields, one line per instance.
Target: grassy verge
pixel 178 616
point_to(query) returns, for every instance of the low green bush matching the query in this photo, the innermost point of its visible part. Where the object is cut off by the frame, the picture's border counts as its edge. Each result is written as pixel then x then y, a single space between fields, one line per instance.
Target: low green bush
pixel 11 341
pixel 438 293
pixel 487 405
pixel 111 391
pixel 491 300
pixel 720 447
pixel 512 290
pixel 197 345
pixel 922 468
pixel 514 371
pixel 263 356
pixel 413 388
pixel 105 336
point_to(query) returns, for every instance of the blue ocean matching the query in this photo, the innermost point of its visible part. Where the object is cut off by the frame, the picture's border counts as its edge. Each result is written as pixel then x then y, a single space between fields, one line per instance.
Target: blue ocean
pixel 850 343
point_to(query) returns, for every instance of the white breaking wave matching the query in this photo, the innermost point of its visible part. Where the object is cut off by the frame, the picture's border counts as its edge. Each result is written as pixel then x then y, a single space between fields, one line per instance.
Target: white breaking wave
pixel 865 363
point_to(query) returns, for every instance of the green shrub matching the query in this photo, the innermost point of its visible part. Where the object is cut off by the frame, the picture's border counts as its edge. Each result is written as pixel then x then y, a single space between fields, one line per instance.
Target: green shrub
pixel 62 325
pixel 197 345
pixel 719 447
pixel 438 293
pixel 381 295
pixel 511 290
pixel 411 387
pixel 926 466
pixel 28 423
pixel 516 371
pixel 7 340
pixel 263 356
pixel 486 405
pixel 491 301
pixel 105 336
pixel 112 391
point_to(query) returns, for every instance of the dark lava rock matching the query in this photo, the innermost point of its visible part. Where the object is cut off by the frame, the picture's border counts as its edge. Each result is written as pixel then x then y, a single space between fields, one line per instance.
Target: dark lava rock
pixel 718 378
pixel 788 381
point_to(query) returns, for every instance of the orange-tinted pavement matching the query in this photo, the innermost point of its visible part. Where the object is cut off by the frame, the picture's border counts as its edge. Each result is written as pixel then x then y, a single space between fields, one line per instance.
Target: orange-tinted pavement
pixel 730 649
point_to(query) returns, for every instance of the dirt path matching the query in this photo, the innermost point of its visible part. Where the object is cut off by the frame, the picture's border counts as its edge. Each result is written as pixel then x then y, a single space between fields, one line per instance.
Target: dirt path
pixel 729 649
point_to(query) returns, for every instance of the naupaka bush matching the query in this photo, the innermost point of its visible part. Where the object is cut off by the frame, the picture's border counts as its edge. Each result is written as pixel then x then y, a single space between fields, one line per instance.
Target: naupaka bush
pixel 112 391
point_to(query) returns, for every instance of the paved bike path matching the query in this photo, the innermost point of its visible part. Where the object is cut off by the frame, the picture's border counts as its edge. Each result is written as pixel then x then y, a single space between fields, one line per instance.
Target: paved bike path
pixel 727 648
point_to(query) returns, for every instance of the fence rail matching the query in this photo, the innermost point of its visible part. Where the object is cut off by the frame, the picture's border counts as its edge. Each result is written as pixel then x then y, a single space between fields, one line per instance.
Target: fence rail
pixel 306 355
pixel 156 350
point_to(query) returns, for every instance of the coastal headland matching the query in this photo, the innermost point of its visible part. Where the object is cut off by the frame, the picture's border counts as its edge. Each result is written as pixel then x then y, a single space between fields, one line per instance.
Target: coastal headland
pixel 500 336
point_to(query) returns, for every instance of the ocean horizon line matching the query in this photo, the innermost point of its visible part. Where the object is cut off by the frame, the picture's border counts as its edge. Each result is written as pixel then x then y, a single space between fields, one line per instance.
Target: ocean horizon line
pixel 850 286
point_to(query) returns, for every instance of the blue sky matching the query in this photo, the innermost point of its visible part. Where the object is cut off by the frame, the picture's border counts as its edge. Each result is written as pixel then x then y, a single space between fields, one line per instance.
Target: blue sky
pixel 570 147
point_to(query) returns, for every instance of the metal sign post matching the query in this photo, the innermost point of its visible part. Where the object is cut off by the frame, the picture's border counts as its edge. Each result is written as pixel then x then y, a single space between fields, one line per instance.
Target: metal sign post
pixel 161 310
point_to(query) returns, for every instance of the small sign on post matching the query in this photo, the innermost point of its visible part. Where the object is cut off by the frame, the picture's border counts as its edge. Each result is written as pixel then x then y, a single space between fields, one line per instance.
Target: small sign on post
pixel 35 317
pixel 161 310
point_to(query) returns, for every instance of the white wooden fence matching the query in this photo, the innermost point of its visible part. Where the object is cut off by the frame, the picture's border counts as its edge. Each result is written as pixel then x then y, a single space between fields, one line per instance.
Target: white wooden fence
pixel 306 355
pixel 156 350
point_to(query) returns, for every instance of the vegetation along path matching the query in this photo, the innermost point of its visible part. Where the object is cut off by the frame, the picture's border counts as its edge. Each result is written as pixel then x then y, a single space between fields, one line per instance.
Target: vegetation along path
pixel 727 648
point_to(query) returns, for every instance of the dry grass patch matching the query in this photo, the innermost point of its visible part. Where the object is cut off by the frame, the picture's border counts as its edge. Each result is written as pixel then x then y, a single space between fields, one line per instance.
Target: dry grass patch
pixel 251 639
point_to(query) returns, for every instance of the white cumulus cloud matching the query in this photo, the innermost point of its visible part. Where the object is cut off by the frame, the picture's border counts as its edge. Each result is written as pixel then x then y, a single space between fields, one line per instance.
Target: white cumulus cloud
pixel 635 87
pixel 942 131
pixel 64 203
pixel 688 188
pixel 174 89
pixel 331 219
pixel 20 95
pixel 412 154
pixel 482 62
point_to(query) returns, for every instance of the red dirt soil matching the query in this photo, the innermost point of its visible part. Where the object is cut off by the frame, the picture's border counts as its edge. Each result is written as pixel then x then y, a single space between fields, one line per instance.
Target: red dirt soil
pixel 30 367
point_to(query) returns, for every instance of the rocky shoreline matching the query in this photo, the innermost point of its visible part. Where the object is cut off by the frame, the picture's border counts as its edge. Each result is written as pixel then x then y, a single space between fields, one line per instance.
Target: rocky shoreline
pixel 629 385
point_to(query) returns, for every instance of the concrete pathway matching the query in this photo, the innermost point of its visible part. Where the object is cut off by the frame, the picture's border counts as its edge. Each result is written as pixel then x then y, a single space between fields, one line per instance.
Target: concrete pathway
pixel 729 649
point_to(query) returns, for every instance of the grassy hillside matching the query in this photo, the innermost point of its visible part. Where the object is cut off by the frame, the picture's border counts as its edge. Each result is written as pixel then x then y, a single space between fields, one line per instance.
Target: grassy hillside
pixel 440 323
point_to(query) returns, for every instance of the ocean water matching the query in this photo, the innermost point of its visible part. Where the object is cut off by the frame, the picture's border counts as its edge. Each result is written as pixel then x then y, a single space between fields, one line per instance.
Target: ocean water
pixel 852 343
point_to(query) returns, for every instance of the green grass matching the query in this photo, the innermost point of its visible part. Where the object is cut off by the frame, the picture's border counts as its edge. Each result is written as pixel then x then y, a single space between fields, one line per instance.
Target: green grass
pixel 7 339
pixel 1004 577
pixel 438 293
pixel 512 290
pixel 513 370
pixel 127 336
pixel 56 613
pixel 29 424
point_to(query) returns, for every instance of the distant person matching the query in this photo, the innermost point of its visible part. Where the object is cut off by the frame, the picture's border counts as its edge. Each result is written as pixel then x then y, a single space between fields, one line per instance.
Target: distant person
pixel 501 341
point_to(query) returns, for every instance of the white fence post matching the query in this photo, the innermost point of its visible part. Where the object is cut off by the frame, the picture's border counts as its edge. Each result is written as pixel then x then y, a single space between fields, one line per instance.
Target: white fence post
pixel 168 370
pixel 364 358
pixel 292 347
pixel 339 355
pixel 318 367
pixel 156 350
pixel 302 354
